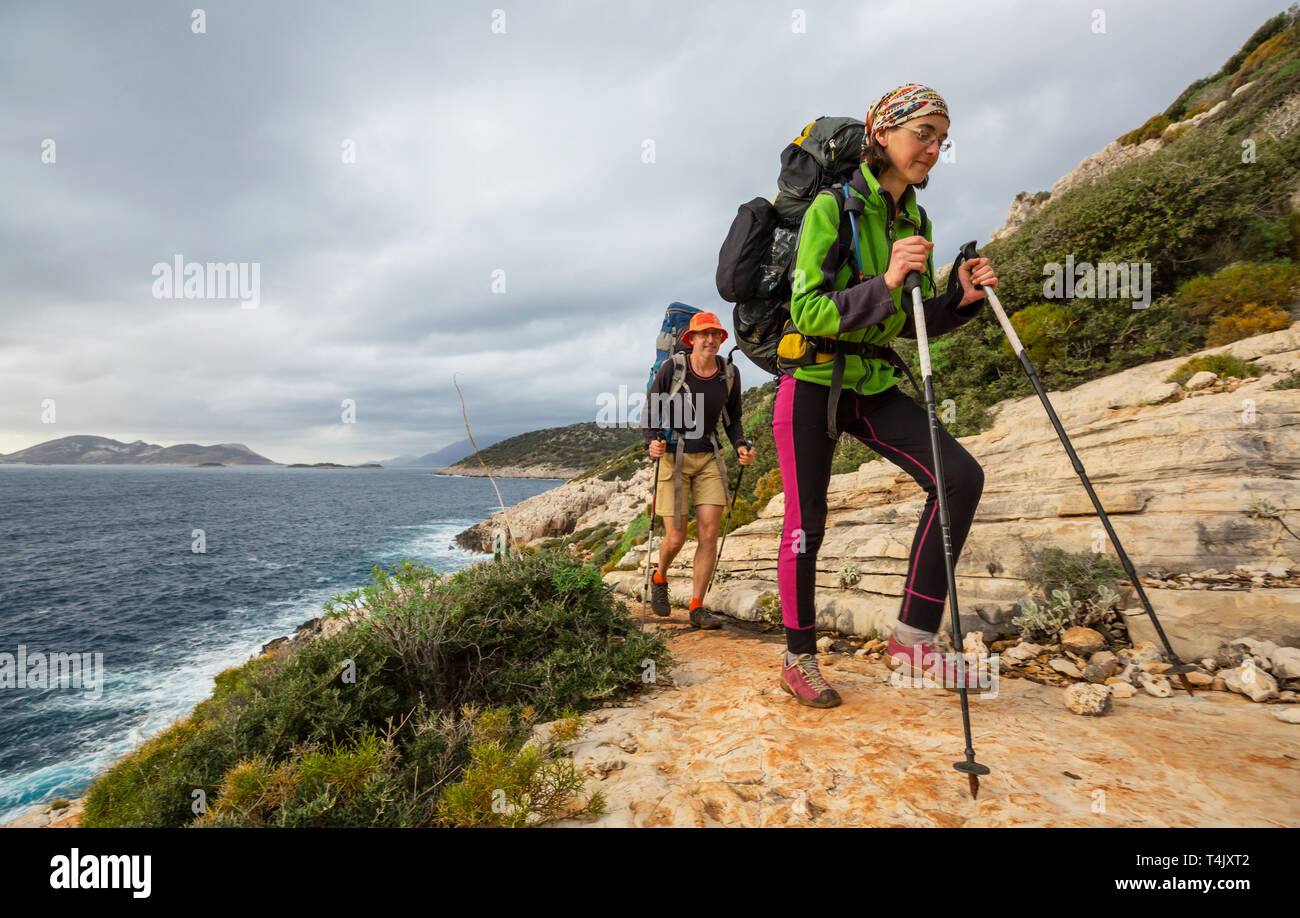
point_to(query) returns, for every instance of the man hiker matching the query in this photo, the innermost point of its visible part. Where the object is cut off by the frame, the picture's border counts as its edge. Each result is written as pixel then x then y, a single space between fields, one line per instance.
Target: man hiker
pixel 707 388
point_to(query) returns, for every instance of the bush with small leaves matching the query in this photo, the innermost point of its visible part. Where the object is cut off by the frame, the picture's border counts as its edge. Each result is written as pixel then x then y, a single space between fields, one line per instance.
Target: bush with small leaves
pixel 1222 365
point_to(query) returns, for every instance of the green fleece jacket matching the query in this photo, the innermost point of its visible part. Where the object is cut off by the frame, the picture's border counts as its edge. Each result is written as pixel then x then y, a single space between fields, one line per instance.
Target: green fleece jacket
pixel 824 305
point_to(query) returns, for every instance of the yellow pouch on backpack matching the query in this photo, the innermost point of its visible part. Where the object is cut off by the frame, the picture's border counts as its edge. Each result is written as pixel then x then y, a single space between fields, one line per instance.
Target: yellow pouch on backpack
pixel 795 350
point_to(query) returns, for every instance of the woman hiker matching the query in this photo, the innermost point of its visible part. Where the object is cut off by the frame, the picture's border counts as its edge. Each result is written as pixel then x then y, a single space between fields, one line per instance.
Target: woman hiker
pixel 905 131
pixel 703 471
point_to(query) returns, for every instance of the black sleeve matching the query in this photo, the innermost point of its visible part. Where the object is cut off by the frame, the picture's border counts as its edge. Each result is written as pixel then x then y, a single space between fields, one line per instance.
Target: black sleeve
pixel 660 385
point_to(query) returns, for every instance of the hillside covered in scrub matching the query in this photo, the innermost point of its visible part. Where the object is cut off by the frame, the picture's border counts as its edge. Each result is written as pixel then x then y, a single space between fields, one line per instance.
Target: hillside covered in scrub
pixel 555 452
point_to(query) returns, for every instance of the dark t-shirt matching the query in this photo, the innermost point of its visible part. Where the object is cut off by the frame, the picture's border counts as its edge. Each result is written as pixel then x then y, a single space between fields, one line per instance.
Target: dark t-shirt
pixel 680 413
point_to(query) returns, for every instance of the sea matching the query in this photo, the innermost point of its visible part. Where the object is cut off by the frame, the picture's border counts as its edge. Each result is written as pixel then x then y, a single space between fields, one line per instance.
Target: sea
pixel 174 574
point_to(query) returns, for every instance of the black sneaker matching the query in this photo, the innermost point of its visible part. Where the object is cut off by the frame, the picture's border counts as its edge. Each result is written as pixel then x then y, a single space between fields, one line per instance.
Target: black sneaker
pixel 659 599
pixel 703 618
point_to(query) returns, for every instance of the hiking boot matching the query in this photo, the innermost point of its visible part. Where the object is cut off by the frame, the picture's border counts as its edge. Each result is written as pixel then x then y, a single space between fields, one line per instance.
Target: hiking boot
pixel 804 681
pixel 703 618
pixel 923 660
pixel 659 599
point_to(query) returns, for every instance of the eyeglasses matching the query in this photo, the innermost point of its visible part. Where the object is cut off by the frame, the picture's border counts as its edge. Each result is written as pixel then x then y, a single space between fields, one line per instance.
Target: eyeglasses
pixel 927 137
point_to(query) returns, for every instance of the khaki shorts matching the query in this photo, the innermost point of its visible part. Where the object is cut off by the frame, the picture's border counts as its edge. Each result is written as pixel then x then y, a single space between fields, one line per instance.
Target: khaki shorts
pixel 701 482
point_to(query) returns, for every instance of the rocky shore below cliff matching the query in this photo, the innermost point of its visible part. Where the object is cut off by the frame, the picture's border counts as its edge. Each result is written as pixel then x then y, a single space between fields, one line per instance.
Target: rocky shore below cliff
pixel 515 471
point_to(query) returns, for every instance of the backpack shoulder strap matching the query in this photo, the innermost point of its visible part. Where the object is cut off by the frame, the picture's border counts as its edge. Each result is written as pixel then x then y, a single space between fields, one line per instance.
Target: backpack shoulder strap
pixel 845 243
pixel 729 374
pixel 679 373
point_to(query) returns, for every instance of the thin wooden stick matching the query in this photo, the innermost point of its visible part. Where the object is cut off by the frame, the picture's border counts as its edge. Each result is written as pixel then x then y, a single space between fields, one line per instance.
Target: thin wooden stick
pixel 465 415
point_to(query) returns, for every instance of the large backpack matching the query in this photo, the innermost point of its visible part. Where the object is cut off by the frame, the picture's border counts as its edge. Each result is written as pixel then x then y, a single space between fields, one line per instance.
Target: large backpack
pixel 755 259
pixel 677 318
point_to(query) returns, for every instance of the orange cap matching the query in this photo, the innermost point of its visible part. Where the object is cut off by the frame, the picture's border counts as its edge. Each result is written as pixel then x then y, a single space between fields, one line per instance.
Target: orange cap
pixel 699 322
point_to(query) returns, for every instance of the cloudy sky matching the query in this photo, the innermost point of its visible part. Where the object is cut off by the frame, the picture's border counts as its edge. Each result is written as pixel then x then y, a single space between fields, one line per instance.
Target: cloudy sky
pixel 384 165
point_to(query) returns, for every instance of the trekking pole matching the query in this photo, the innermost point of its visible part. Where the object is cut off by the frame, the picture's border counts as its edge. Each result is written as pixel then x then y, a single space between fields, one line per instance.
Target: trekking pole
pixel 969 767
pixel 1179 668
pixel 654 494
pixel 725 524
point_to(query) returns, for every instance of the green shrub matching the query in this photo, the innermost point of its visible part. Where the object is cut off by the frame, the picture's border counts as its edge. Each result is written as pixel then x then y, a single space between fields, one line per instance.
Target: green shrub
pixel 1288 69
pixel 769 608
pixel 510 783
pixel 1071 588
pixel 1270 240
pixel 1223 365
pixel 1206 298
pixel 635 534
pixel 1044 329
pixel 1061 612
pixel 1152 127
pixel 368 726
pixel 765 487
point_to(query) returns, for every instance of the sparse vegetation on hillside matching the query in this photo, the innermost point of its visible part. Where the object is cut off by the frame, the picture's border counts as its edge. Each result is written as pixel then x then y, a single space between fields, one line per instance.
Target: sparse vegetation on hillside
pixel 1190 209
pixel 400 719
pixel 577 446
pixel 1223 365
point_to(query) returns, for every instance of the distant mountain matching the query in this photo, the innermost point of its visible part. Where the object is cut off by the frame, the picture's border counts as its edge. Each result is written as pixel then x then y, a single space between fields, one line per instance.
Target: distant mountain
pixel 556 452
pixel 87 450
pixel 443 457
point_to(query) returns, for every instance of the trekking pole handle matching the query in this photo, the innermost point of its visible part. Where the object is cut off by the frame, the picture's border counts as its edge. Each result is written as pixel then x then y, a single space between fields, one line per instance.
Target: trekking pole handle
pixel 968 252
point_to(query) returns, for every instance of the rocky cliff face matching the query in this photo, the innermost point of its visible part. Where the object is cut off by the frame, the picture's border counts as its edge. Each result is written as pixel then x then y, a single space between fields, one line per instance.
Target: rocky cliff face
pixel 1175 468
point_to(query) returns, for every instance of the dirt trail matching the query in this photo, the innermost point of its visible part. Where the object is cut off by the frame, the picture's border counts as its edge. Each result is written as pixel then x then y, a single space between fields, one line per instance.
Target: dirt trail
pixel 726 746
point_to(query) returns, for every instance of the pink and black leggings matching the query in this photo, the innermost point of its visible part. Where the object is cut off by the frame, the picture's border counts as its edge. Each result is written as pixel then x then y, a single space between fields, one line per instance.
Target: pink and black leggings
pixel 896 427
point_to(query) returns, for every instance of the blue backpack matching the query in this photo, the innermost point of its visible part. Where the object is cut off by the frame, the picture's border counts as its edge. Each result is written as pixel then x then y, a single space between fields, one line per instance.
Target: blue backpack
pixel 676 321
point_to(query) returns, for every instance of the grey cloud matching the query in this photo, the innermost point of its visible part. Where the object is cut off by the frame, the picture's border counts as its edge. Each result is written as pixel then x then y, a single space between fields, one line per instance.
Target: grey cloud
pixel 475 151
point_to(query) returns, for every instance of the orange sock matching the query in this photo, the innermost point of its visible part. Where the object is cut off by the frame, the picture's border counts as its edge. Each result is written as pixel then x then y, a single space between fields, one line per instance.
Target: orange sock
pixel 695 603
pixel 659 579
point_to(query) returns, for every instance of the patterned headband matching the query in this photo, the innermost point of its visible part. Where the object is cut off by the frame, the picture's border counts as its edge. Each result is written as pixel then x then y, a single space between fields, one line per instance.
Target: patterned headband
pixel 911 100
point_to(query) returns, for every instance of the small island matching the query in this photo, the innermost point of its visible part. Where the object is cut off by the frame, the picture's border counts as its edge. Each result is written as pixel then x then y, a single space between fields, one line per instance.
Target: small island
pixel 334 465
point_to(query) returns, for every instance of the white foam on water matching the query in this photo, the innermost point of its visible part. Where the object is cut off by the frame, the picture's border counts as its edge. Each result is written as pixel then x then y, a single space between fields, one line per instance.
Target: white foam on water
pixel 158 695
pixel 434 544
